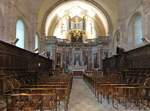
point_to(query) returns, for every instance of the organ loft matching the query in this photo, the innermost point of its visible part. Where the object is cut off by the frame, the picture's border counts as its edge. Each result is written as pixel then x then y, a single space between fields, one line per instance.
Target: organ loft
pixel 74 55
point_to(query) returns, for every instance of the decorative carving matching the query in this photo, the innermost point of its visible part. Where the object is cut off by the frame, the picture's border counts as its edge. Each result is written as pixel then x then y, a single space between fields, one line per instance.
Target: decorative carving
pixel 76 35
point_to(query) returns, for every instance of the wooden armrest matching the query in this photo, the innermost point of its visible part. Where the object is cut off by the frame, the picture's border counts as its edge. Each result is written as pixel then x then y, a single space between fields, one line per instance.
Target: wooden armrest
pixel 22 90
pixel 30 94
pixel 133 87
pixel 103 83
pixel 42 85
pixel 29 88
pixel 118 84
pixel 57 82
pixel 112 84
pixel 38 89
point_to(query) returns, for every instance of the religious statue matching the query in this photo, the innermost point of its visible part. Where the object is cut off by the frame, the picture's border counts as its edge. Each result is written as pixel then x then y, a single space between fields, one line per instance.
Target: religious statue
pixel 77 61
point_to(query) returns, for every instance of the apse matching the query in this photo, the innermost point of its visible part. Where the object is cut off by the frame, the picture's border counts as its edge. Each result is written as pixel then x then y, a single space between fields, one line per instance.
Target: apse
pixel 76 17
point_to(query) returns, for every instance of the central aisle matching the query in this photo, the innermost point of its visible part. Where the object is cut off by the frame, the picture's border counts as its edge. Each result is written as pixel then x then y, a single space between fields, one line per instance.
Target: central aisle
pixel 82 99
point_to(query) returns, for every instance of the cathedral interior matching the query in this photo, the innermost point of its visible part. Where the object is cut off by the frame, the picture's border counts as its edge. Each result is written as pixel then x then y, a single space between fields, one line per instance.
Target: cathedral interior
pixel 74 55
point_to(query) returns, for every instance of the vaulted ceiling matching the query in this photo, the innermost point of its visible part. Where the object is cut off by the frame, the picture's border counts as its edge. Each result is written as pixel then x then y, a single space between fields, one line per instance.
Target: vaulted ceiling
pixel 110 6
pixel 41 8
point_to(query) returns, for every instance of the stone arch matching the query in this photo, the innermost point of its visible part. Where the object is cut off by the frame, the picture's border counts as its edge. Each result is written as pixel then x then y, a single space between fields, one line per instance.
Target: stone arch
pixel 97 5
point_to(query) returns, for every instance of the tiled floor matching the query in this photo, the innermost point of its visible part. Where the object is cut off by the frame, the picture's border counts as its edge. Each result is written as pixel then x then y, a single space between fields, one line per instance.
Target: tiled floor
pixel 82 99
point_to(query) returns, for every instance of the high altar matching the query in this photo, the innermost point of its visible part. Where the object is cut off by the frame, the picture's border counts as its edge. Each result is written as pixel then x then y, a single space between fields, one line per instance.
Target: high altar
pixel 76 56
pixel 75 52
pixel 77 63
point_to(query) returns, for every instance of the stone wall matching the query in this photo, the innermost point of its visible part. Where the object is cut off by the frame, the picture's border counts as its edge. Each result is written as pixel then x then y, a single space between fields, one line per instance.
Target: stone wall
pixel 10 12
pixel 33 13
pixel 120 12
pixel 127 8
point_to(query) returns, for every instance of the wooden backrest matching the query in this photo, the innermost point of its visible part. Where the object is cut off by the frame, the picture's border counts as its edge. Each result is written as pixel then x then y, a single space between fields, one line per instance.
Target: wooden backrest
pixel 147 82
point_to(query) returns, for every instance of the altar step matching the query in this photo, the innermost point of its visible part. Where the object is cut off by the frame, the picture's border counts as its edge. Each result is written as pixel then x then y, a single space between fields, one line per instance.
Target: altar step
pixel 77 73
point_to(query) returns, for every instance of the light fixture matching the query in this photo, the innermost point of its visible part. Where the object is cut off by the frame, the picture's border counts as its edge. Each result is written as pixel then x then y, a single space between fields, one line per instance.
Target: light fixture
pixel 15 41
pixel 36 50
pixel 145 39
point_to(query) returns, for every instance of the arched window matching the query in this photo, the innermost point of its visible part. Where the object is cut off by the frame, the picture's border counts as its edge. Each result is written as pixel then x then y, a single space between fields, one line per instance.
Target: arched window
pixel 20 33
pixel 36 41
pixel 135 34
pixel 138 30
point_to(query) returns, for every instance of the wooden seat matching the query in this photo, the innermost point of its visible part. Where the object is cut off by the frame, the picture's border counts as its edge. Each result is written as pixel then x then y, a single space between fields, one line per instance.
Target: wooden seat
pixel 122 88
pixel 32 101
pixel 130 92
pixel 60 86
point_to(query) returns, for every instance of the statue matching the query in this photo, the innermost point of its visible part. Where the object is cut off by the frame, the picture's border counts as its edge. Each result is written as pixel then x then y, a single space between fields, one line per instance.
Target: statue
pixel 77 61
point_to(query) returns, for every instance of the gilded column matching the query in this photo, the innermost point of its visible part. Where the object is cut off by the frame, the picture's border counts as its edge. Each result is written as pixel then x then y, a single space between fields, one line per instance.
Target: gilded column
pixel 84 23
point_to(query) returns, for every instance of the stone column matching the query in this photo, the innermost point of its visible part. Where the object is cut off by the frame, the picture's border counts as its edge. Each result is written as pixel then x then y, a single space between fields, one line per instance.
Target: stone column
pixel 89 58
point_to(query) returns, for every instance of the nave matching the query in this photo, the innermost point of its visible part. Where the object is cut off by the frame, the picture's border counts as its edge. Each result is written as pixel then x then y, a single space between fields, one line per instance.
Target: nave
pixel 83 99
pixel 74 55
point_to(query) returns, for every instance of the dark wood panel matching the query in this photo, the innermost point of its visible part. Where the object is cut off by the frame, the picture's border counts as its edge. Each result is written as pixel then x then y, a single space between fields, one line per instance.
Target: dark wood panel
pixel 135 59
pixel 27 65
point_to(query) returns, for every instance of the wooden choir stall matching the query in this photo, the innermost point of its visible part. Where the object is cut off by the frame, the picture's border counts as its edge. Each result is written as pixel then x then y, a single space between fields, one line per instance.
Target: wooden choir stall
pixel 27 82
